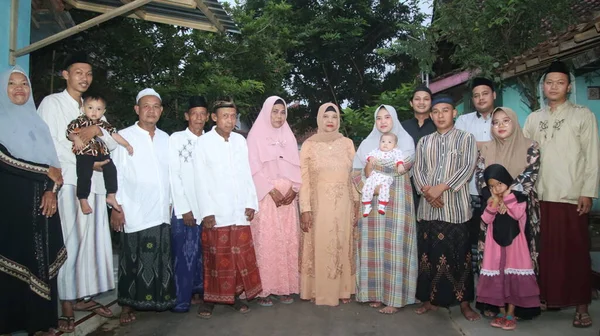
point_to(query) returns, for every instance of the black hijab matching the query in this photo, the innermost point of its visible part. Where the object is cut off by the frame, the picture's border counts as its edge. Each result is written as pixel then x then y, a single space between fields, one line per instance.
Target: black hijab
pixel 505 228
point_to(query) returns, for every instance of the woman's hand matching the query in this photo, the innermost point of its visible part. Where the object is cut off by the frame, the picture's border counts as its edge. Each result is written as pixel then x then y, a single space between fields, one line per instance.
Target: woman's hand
pixel 48 204
pixel 306 221
pixel 277 197
pixel 289 197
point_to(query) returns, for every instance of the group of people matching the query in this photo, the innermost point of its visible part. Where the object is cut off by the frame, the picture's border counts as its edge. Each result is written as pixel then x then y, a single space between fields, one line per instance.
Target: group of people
pixel 213 218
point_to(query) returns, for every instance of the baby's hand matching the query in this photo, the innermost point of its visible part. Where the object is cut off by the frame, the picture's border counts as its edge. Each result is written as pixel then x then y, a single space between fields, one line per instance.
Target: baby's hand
pixel 129 149
pixel 401 169
pixel 79 145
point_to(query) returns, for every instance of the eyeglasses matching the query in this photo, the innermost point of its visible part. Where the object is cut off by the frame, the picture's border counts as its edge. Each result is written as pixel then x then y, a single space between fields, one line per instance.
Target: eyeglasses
pixel 504 122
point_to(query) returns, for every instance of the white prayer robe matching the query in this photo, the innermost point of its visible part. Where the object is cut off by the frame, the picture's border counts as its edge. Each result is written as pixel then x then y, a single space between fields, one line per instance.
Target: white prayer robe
pixel 481 128
pixel 89 266
pixel 225 187
pixel 181 172
pixel 143 178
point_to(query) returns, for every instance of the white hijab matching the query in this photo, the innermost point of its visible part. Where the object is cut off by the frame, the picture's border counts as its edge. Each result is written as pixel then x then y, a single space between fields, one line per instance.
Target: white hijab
pixel 24 134
pixel 405 142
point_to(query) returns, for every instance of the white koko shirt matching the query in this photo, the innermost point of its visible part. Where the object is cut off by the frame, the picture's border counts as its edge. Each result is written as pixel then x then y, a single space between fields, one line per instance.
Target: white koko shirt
pixel 481 128
pixel 181 172
pixel 143 178
pixel 224 184
pixel 58 110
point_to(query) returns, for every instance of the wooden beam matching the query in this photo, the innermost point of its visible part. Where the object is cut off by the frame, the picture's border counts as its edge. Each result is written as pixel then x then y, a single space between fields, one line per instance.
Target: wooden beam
pixel 199 25
pixel 210 15
pixel 14 24
pixel 81 27
pixel 586 35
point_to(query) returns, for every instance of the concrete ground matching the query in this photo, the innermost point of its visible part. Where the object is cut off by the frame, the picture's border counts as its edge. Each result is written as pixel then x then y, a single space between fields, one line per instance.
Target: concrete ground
pixel 303 318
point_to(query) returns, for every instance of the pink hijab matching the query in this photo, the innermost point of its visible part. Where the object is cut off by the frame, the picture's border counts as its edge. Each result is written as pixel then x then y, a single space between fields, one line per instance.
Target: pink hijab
pixel 267 143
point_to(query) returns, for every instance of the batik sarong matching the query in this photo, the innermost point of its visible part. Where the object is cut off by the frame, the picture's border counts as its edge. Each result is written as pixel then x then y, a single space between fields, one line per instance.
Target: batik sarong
pixel 445 271
pixel 145 270
pixel 187 262
pixel 230 266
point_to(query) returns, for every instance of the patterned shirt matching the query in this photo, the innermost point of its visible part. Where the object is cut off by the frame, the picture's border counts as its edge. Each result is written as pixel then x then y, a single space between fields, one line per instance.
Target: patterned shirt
pixel 448 158
pixel 570 152
pixel 95 146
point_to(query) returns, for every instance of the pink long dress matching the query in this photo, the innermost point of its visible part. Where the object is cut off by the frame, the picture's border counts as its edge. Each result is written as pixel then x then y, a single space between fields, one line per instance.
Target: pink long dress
pixel 507 274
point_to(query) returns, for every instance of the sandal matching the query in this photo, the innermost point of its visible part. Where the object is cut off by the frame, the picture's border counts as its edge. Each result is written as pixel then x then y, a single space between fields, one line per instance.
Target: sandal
pixel 509 323
pixel 205 310
pixel 388 310
pixel 239 306
pixel 499 321
pixel 582 320
pixel 70 324
pixel 94 308
pixel 264 302
pixel 285 299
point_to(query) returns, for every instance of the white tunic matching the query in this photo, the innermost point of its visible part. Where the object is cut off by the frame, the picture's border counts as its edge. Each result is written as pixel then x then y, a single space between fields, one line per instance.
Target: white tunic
pixel 89 266
pixel 181 172
pixel 225 188
pixel 481 128
pixel 143 178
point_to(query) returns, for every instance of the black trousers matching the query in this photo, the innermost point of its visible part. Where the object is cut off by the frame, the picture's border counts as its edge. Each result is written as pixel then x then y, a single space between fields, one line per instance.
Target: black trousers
pixel 85 169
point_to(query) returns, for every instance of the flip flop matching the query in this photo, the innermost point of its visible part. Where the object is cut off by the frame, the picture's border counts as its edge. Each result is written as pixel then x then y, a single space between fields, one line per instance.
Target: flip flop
pixel 205 310
pixel 239 306
pixel 279 298
pixel 264 302
pixel 70 321
pixel 96 308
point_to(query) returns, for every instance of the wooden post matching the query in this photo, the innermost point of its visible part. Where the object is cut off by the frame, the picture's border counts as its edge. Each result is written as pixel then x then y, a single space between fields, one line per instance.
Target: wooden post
pixel 14 23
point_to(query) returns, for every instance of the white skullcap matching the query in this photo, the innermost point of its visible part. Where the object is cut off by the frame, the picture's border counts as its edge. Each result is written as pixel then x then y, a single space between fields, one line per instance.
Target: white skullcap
pixel 147 92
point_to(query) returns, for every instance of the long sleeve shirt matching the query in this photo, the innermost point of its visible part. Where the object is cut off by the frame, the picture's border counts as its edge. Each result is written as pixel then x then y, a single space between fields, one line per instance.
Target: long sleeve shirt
pixel 224 185
pixel 181 172
pixel 569 147
pixel 143 178
pixel 58 110
pixel 481 128
pixel 447 158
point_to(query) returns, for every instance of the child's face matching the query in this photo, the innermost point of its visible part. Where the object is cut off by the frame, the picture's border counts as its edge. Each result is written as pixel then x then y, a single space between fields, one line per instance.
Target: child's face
pixel 94 109
pixel 496 187
pixel 387 143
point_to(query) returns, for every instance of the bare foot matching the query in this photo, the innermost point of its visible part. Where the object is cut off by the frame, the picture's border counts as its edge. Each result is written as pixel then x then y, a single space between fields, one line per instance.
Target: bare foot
pixel 112 201
pixel 127 316
pixel 346 301
pixel 425 308
pixel 388 310
pixel 468 313
pixel 85 206
pixel 375 304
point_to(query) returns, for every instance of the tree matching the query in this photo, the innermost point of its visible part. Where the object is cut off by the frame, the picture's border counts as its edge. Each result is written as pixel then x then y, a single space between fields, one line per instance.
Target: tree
pixel 487 34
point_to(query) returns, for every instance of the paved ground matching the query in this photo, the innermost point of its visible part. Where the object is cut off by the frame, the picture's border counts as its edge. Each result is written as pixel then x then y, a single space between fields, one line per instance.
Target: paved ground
pixel 303 318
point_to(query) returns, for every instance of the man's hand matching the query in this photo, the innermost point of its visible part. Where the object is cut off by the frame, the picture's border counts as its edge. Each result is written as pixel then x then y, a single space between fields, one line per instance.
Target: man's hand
pixel 306 221
pixel 188 219
pixel 435 202
pixel 277 197
pixel 209 222
pixel 249 214
pixel 48 204
pixel 584 205
pixel 117 220
pixel 55 174
pixel 289 197
pixel 98 165
pixel 87 133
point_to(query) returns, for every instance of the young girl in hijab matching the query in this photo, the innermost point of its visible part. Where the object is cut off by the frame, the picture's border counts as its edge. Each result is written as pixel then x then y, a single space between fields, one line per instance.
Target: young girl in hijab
pixel 507 277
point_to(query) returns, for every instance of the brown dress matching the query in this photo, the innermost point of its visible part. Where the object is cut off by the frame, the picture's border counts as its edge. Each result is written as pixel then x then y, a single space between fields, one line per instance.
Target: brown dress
pixel 327 262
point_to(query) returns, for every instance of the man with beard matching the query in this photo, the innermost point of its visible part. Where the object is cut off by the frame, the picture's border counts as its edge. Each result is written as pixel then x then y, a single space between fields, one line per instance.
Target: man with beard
pixel 88 270
pixel 567 183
